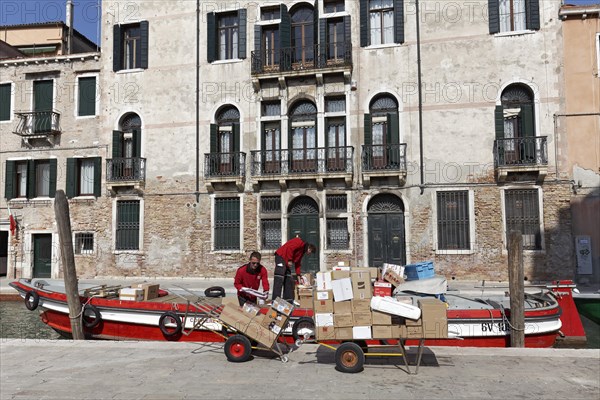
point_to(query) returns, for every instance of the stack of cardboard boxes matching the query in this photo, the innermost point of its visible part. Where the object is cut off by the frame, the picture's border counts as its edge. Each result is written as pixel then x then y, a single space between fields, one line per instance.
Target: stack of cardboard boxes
pixel 139 292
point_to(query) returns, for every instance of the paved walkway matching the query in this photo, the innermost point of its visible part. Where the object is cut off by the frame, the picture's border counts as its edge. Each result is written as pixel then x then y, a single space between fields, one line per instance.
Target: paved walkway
pixel 143 370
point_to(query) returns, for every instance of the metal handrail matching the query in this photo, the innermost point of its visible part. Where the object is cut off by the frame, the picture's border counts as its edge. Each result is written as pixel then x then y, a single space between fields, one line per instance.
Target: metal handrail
pixel 36 123
pixel 317 160
pixel 225 164
pixel 521 151
pixel 384 157
pixel 125 169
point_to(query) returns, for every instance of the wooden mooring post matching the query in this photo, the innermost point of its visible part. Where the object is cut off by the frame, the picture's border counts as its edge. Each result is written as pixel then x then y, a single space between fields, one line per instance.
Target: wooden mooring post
pixel 63 222
pixel 516 282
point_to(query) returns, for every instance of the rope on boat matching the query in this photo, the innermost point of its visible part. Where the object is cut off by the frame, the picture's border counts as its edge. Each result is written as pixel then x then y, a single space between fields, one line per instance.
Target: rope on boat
pixel 503 313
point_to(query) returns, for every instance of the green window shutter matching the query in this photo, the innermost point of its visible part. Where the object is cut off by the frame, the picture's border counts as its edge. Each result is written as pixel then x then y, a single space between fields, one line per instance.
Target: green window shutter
pixel 30 179
pixel 214 129
pixel 87 96
pixel 52 189
pixel 499 121
pixel 117 144
pixel 323 42
pixel 494 16
pixel 9 180
pixel 364 23
pixel 137 143
pixel 117 48
pixel 144 44
pixel 211 34
pixel 399 21
pixel 242 17
pixel 527 123
pixel 235 131
pixel 5 101
pixel 347 33
pixel 316 26
pixel 533 14
pixel 285 28
pixel 71 178
pixel 393 129
pixel 97 176
pixel 368 130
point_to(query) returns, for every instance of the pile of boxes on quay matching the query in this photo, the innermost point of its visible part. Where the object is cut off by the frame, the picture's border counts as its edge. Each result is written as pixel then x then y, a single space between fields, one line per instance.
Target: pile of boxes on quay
pixel 357 304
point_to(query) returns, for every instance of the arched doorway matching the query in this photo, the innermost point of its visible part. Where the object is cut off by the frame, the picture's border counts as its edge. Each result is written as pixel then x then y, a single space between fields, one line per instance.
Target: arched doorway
pixel 515 126
pixel 303 137
pixel 385 224
pixel 303 221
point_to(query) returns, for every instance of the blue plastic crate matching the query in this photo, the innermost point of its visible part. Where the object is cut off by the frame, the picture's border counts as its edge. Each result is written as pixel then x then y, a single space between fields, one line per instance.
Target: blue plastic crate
pixel 422 270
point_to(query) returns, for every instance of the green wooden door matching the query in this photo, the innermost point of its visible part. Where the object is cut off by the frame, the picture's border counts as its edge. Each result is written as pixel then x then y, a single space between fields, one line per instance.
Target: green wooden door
pixel 42 106
pixel 42 256
pixel 303 221
pixel 385 224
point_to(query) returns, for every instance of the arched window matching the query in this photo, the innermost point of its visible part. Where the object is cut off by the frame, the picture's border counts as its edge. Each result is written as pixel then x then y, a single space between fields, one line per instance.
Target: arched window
pixel 515 127
pixel 225 142
pixel 382 133
pixel 127 148
pixel 303 34
pixel 303 137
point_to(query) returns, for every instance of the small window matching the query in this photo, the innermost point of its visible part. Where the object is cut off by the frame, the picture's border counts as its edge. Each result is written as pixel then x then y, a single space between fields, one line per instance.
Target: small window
pixel 42 179
pixel 453 229
pixel 333 6
pixel 270 234
pixel 86 96
pixel 131 47
pixel 227 223
pixel 30 179
pixel 338 236
pixel 85 183
pixel 5 102
pixel 337 202
pixel 21 179
pixel 271 108
pixel 227 36
pixel 270 204
pixel 335 104
pixel 269 13
pixel 523 215
pixel 513 15
pixel 128 225
pixel 84 243
pixel 381 21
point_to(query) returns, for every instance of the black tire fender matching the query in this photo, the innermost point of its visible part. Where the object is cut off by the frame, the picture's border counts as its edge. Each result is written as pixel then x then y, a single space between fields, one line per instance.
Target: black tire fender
pixel 215 291
pixel 32 300
pixel 349 358
pixel 238 348
pixel 167 317
pixel 91 323
pixel 302 323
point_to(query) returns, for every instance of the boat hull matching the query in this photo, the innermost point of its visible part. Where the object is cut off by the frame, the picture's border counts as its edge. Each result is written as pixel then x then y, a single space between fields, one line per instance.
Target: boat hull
pixel 589 307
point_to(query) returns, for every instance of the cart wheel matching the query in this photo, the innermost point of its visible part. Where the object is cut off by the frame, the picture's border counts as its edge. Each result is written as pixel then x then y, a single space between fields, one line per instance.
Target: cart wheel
pixel 303 328
pixel 349 358
pixel 284 358
pixel 299 343
pixel 238 348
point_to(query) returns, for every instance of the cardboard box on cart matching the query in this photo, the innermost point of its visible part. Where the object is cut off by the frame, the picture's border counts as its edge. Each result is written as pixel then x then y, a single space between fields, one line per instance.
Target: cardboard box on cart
pixel 433 323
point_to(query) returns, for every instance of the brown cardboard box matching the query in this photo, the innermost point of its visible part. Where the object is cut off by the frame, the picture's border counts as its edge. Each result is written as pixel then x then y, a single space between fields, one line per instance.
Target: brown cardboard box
pixel 273 317
pixel 343 333
pixel 233 316
pixel 325 333
pixel 362 318
pixel 305 302
pixel 324 295
pixel 337 274
pixel 380 318
pixel 395 331
pixel 342 307
pixel 323 306
pixel 382 332
pixel 411 332
pixel 361 285
pixel 434 318
pixel 361 305
pixel 342 320
pixel 393 278
pixel 261 334
pixel 150 290
pixel 304 291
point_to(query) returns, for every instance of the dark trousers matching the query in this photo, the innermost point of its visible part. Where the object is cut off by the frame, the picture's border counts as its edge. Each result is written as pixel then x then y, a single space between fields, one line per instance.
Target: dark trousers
pixel 282 280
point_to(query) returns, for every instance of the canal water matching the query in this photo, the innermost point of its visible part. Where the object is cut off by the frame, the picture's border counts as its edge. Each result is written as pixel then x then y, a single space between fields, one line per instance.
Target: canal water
pixel 17 322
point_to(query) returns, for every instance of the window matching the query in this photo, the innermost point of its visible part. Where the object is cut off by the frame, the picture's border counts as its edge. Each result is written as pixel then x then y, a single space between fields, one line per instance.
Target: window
pixel 382 148
pixel 270 13
pixel 382 22
pixel 224 157
pixel 271 108
pixel 270 223
pixel 226 35
pixel 128 225
pixel 338 155
pixel 130 50
pixel 84 243
pixel 303 34
pixel 523 215
pixel 333 6
pixel 338 236
pixel 453 229
pixel 303 137
pixel 30 179
pixel 86 96
pixel 83 177
pixel 5 101
pixel 271 39
pixel 227 223
pixel 513 15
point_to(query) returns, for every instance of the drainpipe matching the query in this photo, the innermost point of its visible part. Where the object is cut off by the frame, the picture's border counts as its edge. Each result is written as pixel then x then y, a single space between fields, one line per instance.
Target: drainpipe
pixel 197 101
pixel 69 23
pixel 421 167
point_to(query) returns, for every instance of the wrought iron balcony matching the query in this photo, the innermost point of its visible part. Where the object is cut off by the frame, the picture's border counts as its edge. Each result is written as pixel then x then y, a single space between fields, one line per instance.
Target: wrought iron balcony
pixel 125 169
pixel 222 165
pixel 388 157
pixel 37 123
pixel 309 161
pixel 521 152
pixel 302 58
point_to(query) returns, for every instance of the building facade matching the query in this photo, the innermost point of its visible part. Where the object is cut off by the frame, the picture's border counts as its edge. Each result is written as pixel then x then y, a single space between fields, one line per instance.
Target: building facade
pixel 309 118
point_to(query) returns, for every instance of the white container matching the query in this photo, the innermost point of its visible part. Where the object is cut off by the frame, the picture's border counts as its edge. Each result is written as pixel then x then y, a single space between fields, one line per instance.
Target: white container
pixel 361 332
pixel 324 319
pixel 324 280
pixel 342 289
pixel 390 305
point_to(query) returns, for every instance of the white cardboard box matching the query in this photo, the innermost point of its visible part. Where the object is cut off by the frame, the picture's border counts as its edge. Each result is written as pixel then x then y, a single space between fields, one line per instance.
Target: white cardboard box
pixel 390 305
pixel 324 319
pixel 131 294
pixel 342 289
pixel 361 332
pixel 399 269
pixel 324 280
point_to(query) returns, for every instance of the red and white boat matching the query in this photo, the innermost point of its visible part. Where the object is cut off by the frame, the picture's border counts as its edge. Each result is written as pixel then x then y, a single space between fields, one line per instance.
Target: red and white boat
pixel 472 322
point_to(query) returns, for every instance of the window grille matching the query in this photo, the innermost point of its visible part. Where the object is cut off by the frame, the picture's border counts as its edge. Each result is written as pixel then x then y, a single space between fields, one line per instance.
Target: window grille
pixel 84 243
pixel 453 220
pixel 270 204
pixel 335 104
pixel 227 223
pixel 337 233
pixel 271 234
pixel 271 109
pixel 128 225
pixel 522 214
pixel 337 202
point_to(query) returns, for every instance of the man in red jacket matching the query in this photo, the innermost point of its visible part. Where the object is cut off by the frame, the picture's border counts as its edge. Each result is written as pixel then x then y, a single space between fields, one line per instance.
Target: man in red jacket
pixel 249 276
pixel 287 256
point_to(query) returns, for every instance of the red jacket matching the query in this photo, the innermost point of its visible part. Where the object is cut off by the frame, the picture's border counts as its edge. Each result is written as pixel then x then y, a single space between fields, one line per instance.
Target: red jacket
pixel 292 250
pixel 243 278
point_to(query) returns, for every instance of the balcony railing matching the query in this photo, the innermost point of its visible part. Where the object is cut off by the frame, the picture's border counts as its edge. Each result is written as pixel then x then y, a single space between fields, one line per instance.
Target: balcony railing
pixel 311 161
pixel 125 169
pixel 37 123
pixel 517 152
pixel 302 58
pixel 388 157
pixel 217 165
